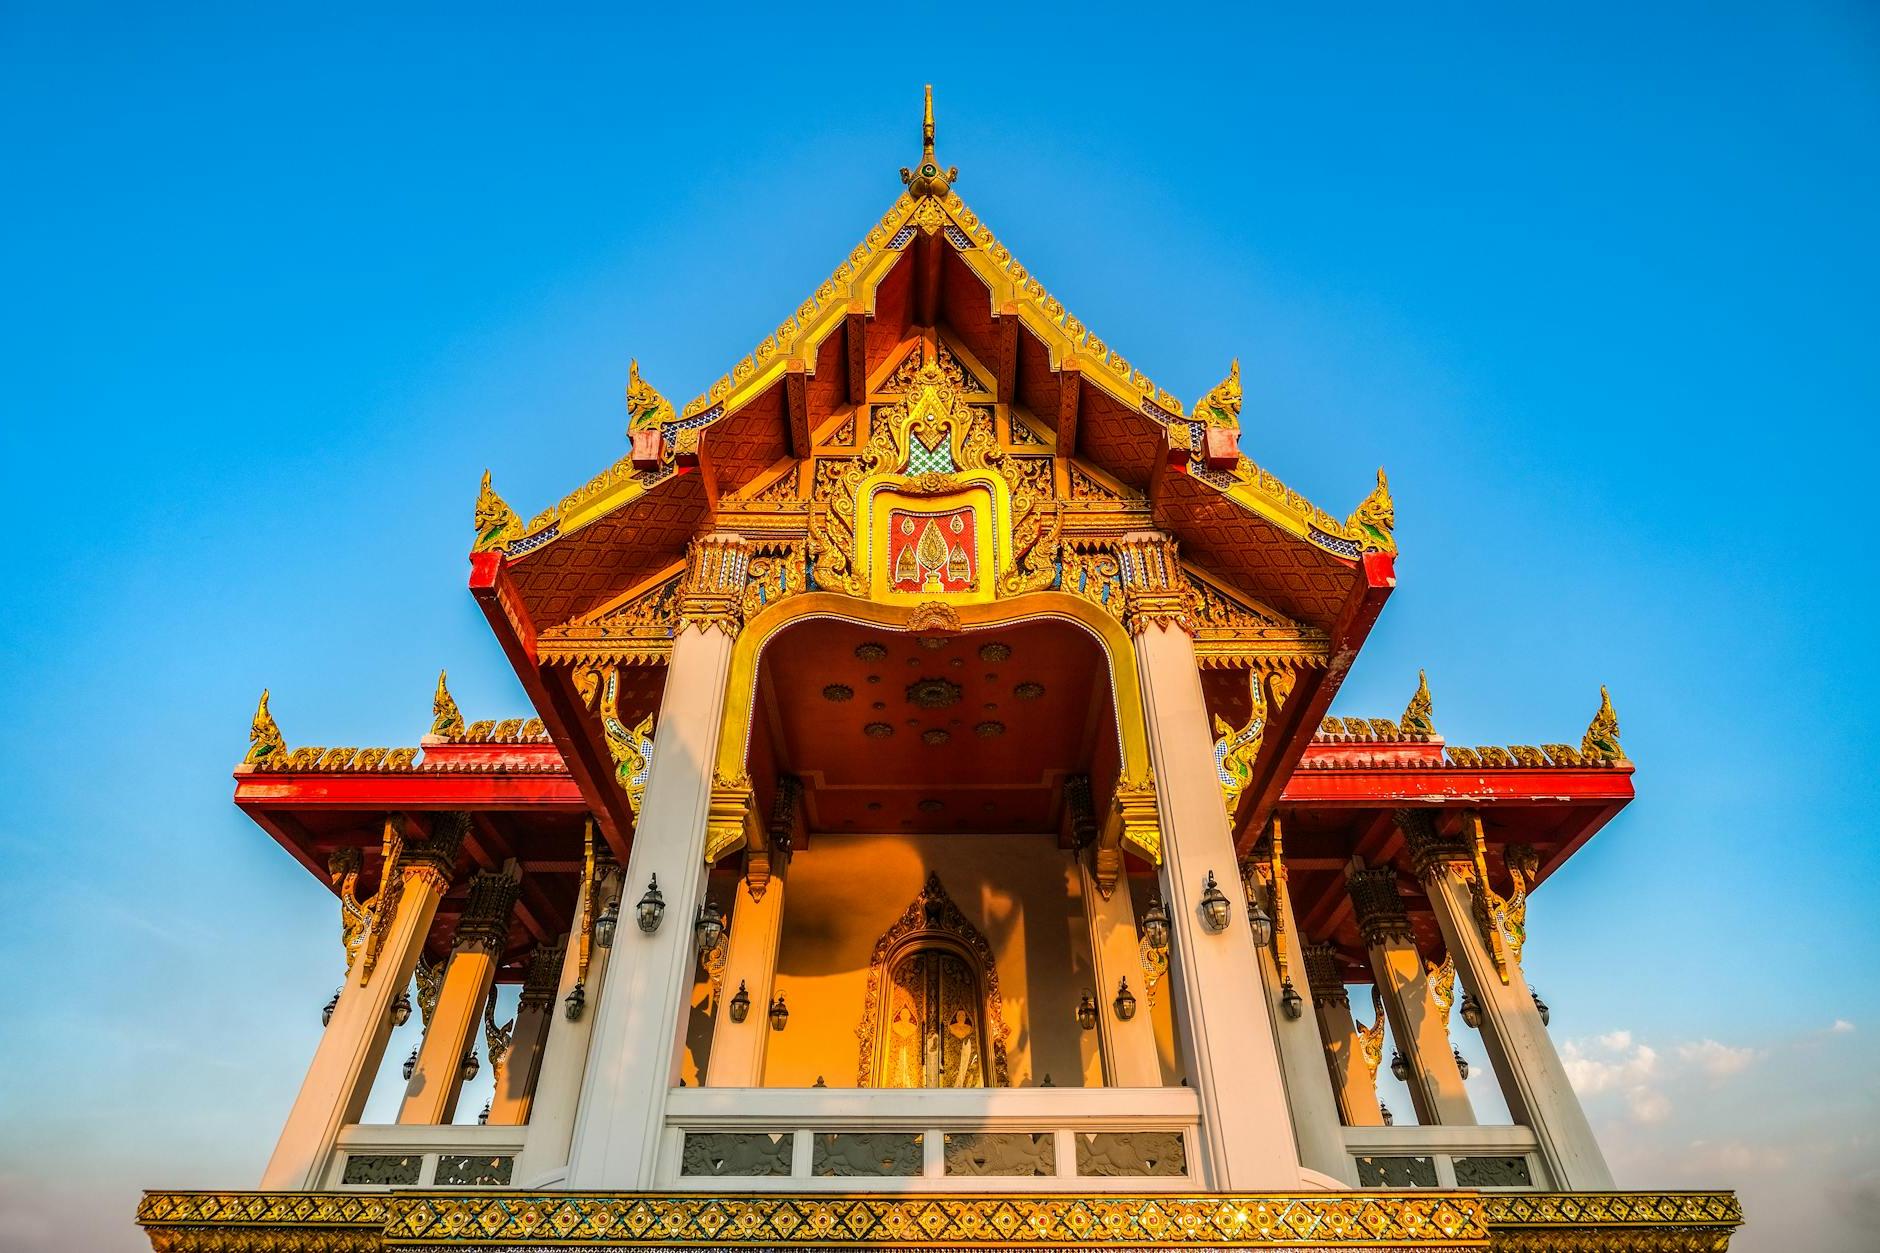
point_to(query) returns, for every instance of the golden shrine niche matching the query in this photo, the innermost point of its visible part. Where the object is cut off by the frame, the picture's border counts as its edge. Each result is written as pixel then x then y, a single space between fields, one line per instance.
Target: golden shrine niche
pixel 933 509
pixel 932 1014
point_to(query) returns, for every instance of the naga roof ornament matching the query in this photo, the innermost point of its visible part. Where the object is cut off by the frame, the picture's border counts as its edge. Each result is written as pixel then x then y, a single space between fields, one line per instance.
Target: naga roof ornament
pixel 264 736
pixel 647 410
pixel 1221 407
pixel 1419 717
pixel 1601 742
pixel 929 179
pixel 446 718
pixel 495 521
pixel 1376 517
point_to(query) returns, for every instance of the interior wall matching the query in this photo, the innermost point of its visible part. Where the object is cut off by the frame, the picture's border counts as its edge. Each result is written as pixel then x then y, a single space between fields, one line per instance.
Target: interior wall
pixel 1022 892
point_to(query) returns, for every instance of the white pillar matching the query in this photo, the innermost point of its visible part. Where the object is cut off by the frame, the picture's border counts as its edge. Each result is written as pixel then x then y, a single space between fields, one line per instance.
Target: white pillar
pixel 1353 1079
pixel 1309 1092
pixel 1223 1023
pixel 347 1060
pixel 1128 1048
pixel 544 1157
pixel 1533 1081
pixel 634 1058
pixel 737 1049
pixel 1416 1022
pixel 521 1065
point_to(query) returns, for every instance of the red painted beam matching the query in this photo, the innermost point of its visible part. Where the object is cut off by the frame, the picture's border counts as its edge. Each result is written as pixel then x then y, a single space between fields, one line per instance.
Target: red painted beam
pixel 1306 710
pixel 1390 786
pixel 495 592
pixel 417 790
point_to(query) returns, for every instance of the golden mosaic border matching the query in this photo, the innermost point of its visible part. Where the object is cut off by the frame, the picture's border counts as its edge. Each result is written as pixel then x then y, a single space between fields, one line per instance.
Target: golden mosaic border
pixel 358 1222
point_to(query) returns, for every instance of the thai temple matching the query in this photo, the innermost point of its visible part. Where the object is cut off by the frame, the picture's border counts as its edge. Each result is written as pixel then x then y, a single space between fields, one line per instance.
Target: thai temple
pixel 930 832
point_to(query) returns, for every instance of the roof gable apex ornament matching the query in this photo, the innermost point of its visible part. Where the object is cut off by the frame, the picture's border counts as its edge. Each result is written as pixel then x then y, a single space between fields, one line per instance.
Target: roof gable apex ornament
pixel 1601 741
pixel 264 735
pixel 1419 717
pixel 1375 518
pixel 495 522
pixel 929 180
pixel 446 718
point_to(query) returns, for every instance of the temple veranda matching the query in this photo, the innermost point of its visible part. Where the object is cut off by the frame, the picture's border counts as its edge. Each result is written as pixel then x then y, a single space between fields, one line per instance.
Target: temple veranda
pixel 930 832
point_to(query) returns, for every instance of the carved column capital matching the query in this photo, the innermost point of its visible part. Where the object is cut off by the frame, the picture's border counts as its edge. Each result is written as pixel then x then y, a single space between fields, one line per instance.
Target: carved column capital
pixel 1155 593
pixel 1325 976
pixel 731 817
pixel 485 921
pixel 538 987
pixel 1379 907
pixel 717 568
pixel 1430 852
pixel 434 859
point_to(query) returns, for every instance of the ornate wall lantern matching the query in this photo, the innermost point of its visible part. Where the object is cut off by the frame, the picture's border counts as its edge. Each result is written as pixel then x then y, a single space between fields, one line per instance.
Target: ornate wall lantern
pixel 605 924
pixel 1087 1012
pixel 483 1118
pixel 1540 1007
pixel 326 1014
pixel 779 1014
pixel 470 1066
pixel 740 1003
pixel 1155 926
pixel 710 927
pixel 401 1009
pixel 1399 1068
pixel 1125 1001
pixel 652 907
pixel 1471 1009
pixel 576 1002
pixel 1385 1111
pixel 1258 920
pixel 1462 1063
pixel 1290 1002
pixel 411 1064
pixel 1215 909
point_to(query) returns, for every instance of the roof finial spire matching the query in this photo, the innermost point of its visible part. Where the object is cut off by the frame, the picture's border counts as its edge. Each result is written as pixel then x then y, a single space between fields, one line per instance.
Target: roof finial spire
pixel 929 179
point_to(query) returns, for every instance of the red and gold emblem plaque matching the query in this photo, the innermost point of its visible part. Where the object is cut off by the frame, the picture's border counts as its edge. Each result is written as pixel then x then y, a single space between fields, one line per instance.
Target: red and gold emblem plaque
pixel 933 552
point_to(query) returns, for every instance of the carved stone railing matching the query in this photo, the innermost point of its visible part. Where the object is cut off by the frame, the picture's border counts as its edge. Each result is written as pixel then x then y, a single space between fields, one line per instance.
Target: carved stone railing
pixel 979 1139
pixel 1484 1158
pixel 384 1156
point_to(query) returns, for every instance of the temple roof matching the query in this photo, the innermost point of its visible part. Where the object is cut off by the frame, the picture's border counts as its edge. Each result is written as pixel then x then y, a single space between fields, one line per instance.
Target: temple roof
pixel 931 263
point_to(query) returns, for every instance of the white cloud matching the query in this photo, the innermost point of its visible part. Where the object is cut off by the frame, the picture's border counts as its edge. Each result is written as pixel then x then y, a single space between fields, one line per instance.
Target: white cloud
pixel 1841 1027
pixel 1623 1064
pixel 1715 1060
pixel 1646 1105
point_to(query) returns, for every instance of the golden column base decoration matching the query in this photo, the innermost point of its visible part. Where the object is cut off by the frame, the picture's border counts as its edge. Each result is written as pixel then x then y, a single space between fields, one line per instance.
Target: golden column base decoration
pixel 1424 1220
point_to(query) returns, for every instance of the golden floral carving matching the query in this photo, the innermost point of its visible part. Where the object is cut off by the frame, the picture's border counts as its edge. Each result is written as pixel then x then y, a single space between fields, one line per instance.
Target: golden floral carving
pixel 631 750
pixel 1236 747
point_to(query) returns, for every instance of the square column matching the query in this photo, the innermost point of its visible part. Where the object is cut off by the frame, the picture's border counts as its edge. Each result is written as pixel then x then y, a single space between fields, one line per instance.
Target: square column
pixel 1417 1023
pixel 737 1052
pixel 521 1062
pixel 431 1092
pixel 1533 1081
pixel 1353 1069
pixel 1221 1019
pixel 1128 1048
pixel 1302 1052
pixel 544 1157
pixel 634 1056
pixel 347 1060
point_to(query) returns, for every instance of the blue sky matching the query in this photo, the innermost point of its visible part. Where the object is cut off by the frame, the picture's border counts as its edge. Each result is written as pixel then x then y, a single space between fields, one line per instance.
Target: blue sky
pixel 1595 284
